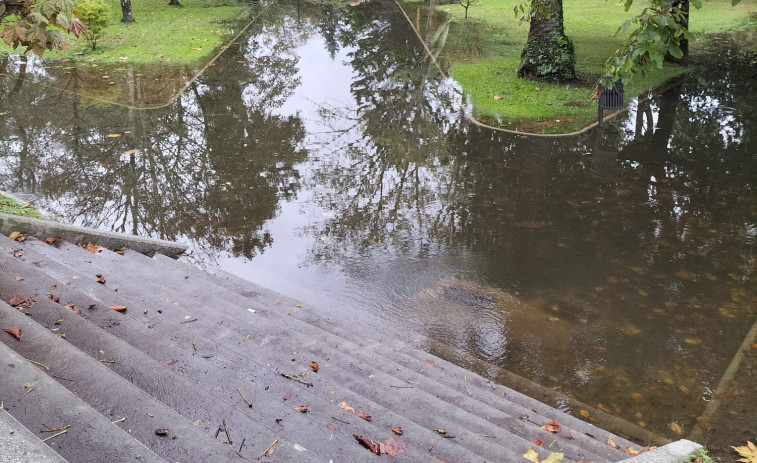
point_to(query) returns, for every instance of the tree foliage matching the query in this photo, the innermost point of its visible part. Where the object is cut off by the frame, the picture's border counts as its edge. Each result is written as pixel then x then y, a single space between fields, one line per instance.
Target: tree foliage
pixel 658 30
pixel 37 25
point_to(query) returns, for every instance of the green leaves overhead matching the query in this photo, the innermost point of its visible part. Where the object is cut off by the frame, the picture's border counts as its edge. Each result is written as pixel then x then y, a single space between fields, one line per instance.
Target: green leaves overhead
pixel 38 24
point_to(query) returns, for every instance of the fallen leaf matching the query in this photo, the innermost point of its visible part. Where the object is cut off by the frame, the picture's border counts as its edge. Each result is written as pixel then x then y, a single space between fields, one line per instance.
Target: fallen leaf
pixel 441 431
pixel 314 366
pixel 162 432
pixel 612 444
pixel 497 97
pixel 287 396
pixel 538 442
pixel 553 319
pixel 553 427
pixel 693 341
pixel 430 362
pixel 363 415
pixel 17 236
pixel 333 426
pixel 531 455
pixel 344 406
pixel 72 308
pixel 373 446
pixel 54 240
pixel 584 413
pixel 130 152
pixel 19 278
pixel 53 298
pixel 554 457
pixel 118 308
pixel 302 409
pixel 631 330
pixel 112 135
pixel 15 332
pixel 270 449
pixel 100 279
pixel 90 247
pixel 676 428
pixel 637 397
pixel 392 447
pixel 569 436
pixel 398 430
pixel 748 452
pixel 17 253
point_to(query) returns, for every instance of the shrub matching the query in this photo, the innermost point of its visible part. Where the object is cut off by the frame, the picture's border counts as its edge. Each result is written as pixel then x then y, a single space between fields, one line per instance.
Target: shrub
pixel 96 14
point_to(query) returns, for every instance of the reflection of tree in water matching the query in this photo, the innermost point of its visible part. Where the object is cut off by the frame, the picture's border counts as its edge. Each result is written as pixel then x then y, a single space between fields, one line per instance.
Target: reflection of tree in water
pixel 211 167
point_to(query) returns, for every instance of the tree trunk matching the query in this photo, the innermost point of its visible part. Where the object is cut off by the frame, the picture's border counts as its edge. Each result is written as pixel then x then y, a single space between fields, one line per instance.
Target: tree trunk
pixel 684 44
pixel 174 3
pixel 126 16
pixel 549 53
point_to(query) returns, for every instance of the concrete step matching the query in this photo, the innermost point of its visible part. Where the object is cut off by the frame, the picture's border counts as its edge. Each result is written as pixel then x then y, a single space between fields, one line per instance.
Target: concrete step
pixel 19 444
pixel 468 400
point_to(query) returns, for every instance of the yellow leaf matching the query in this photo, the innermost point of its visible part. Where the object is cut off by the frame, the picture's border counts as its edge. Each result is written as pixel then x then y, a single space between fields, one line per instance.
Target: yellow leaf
pixel 693 341
pixel 643 293
pixel 676 428
pixel 631 330
pixel 554 457
pixel 749 452
pixel 637 397
pixel 113 135
pixel 531 455
pixel 725 312
pixel 553 319
pixel 584 413
pixel 344 406
pixel 684 389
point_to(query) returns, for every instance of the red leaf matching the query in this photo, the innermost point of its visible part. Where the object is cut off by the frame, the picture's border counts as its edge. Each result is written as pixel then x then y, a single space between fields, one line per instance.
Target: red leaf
pixel 392 447
pixel 538 442
pixel 288 395
pixel 15 332
pixel 18 301
pixel 363 415
pixel 553 427
pixel 333 426
pixel 430 362
pixel 53 241
pixel 314 366
pixel 398 430
pixel 72 308
pixel 118 308
pixel 53 297
pixel 569 436
pixel 90 247
pixel 373 446
pixel 301 409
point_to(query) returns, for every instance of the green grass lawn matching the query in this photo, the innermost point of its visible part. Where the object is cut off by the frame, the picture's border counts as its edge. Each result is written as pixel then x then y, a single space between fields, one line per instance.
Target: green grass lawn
pixel 187 34
pixel 483 55
pixel 11 206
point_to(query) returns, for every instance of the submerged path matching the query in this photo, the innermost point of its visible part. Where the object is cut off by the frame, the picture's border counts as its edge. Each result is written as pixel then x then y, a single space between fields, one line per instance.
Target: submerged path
pixel 124 357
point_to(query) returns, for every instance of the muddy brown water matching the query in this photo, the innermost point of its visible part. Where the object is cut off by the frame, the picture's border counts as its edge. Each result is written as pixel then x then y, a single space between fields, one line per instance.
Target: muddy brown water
pixel 324 157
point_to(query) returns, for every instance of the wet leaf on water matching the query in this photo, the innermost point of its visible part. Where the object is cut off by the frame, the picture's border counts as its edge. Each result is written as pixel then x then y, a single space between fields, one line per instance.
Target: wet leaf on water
pixel 531 225
pixel 612 443
pixel 676 428
pixel 747 452
pixel 302 409
pixel 637 397
pixel 631 330
pixel 162 432
pixel 113 135
pixel 643 293
pixel 15 332
pixel 314 366
pixel 100 278
pixel 398 430
pixel 584 413
pixel 725 312
pixel 531 455
pixel 333 426
pixel 553 427
pixel 636 269
pixel 603 408
pixel 684 389
pixel 693 341
pixel 90 247
pixel 711 277
pixel 287 396
pixel 553 319
pixel 117 308
pixel 705 422
pixel 72 308
pixel 130 152
pixel 686 275
pixel 538 442
pixel 17 236
pixel 53 240
pixel 430 363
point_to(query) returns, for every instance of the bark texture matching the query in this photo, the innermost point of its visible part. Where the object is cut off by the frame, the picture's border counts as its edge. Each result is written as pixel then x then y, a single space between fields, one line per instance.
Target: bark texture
pixel 549 53
pixel 126 15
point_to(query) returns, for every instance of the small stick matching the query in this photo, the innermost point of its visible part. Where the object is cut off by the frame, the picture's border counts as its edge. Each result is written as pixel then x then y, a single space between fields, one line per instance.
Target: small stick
pixel 226 430
pixel 401 387
pixel 27 391
pixel 119 421
pixel 61 428
pixel 485 435
pixel 194 347
pixel 61 378
pixel 269 448
pixel 465 378
pixel 190 321
pixel 55 435
pixel 244 398
pixel 294 378
pixel 240 447
pixel 40 364
pixel 245 339
pixel 432 445
pixel 107 361
pixel 218 431
pixel 341 421
pixel 553 443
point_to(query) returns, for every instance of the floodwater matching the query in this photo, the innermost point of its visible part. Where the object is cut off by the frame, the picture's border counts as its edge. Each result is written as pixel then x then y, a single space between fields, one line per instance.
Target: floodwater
pixel 324 156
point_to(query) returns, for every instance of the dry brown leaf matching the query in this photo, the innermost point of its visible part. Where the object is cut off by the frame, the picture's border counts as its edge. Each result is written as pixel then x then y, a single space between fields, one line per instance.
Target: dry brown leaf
pixel 584 413
pixel 53 298
pixel 302 409
pixel 611 443
pixel 676 428
pixel 19 278
pixel 17 236
pixel 162 432
pixel 90 247
pixel 398 430
pixel 17 253
pixel 100 278
pixel 118 308
pixel 392 447
pixel 441 431
pixel 344 406
pixel 53 240
pixel 314 366
pixel 538 442
pixel 72 308
pixel 363 415
pixel 15 332
pixel 553 427
pixel 497 97
pixel 747 452
pixel 287 396
pixel 373 446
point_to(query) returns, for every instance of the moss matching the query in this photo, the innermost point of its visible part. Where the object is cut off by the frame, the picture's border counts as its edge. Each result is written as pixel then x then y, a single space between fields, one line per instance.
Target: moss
pixel 11 206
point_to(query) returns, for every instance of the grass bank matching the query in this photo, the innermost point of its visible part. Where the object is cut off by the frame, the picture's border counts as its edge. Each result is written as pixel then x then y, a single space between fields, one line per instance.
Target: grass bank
pixel 11 206
pixel 177 35
pixel 483 54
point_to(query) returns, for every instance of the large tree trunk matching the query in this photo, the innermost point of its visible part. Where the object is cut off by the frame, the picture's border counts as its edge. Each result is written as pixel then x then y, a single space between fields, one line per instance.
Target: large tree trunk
pixel 126 16
pixel 684 44
pixel 548 53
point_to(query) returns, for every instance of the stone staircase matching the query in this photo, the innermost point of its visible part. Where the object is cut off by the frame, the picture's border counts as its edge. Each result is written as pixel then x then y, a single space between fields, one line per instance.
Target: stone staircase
pixel 212 368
